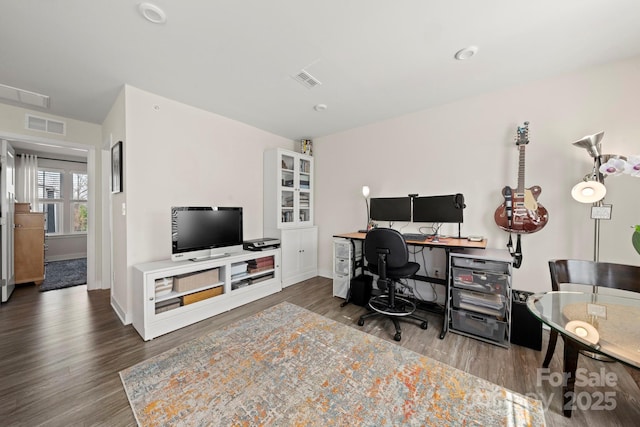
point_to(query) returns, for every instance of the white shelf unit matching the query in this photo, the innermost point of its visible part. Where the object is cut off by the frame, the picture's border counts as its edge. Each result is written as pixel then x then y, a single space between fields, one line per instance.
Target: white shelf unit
pixel 209 299
pixel 479 304
pixel 346 252
pixel 288 212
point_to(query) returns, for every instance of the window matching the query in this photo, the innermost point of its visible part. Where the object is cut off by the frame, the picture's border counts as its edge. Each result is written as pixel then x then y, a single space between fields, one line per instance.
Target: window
pixel 79 202
pixel 51 203
pixel 63 198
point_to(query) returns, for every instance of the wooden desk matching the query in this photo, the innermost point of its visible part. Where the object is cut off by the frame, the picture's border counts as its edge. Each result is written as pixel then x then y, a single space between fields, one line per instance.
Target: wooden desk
pixel 446 243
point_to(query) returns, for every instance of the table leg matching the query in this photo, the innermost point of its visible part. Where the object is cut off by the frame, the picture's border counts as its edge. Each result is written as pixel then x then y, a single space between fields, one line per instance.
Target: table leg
pixel 570 364
pixel 445 324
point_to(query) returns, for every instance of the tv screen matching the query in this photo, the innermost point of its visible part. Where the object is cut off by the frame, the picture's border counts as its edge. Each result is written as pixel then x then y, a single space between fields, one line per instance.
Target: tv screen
pixel 205 232
pixel 390 209
pixel 438 209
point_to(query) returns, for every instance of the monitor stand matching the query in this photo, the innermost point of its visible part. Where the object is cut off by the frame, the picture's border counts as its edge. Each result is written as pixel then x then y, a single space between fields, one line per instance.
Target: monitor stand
pixel 435 238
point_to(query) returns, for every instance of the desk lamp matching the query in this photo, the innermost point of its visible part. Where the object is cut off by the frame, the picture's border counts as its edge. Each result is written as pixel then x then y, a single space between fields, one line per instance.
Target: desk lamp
pixel 365 194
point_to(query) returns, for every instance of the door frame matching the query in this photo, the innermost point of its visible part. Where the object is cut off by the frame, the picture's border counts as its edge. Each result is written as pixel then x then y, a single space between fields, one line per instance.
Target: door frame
pixel 93 278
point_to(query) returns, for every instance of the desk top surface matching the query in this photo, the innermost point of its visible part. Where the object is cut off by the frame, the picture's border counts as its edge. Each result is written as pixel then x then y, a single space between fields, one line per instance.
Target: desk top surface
pixel 605 323
pixel 443 242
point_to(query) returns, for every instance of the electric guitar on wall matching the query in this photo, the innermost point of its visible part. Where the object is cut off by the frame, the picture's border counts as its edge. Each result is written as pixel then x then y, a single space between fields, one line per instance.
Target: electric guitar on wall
pixel 520 212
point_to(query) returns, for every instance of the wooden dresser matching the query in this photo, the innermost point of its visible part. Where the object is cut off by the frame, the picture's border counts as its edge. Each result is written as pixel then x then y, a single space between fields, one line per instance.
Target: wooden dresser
pixel 28 247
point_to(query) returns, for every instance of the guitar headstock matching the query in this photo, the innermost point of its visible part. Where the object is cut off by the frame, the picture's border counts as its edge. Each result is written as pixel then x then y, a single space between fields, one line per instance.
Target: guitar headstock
pixel 522 135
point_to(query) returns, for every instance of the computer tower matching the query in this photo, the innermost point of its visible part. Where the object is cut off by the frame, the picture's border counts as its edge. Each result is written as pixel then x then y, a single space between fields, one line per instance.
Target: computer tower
pixel 526 330
pixel 360 290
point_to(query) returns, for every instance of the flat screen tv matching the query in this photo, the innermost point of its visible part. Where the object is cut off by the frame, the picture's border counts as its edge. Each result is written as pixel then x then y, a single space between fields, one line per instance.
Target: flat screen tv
pixel 205 232
pixel 438 209
pixel 390 209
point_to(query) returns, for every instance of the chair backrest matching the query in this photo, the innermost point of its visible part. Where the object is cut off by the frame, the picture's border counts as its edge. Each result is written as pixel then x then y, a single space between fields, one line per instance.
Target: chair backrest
pixel 603 274
pixel 389 241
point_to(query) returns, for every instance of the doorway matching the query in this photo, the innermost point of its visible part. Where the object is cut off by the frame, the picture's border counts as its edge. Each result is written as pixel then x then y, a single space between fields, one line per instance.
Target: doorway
pixel 85 155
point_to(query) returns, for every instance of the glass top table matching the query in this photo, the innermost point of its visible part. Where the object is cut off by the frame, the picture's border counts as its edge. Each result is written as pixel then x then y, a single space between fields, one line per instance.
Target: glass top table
pixel 596 322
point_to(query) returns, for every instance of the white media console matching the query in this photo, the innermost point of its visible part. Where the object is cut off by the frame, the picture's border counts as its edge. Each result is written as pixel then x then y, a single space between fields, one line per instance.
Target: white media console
pixel 170 295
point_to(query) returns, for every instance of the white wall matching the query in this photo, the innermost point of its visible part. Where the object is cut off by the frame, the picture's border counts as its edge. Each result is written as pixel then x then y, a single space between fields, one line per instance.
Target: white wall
pixel 178 155
pixel 114 226
pixel 468 147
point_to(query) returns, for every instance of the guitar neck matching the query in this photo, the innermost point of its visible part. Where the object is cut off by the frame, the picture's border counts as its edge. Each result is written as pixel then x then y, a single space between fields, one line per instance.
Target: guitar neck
pixel 520 188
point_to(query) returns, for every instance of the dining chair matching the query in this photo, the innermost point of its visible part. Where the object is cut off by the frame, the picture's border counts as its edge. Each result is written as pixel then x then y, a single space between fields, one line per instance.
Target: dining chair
pixel 592 273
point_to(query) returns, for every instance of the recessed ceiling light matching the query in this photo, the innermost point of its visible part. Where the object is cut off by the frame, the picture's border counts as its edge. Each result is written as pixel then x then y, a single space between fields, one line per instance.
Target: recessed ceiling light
pixel 320 107
pixel 152 13
pixel 466 53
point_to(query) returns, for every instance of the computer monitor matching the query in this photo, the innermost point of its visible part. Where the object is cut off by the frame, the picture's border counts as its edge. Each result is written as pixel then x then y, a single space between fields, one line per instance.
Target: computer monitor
pixel 438 209
pixel 390 209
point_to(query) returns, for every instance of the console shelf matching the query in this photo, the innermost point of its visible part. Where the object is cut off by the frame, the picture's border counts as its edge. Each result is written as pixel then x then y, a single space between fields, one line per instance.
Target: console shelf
pixel 199 289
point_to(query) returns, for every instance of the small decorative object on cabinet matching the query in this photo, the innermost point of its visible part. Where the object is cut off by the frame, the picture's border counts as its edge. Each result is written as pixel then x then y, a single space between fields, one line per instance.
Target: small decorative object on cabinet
pixel 169 295
pixel 288 212
pixel 479 302
pixel 28 246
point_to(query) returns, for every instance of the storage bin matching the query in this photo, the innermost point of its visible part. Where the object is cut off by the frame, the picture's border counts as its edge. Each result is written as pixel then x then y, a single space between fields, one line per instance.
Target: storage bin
pixel 490 304
pixel 202 295
pixel 478 324
pixel 188 282
pixel 342 266
pixel 481 281
pixel 480 264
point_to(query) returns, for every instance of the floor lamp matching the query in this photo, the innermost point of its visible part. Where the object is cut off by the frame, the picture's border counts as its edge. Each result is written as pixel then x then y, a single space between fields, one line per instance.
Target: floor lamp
pixel 591 189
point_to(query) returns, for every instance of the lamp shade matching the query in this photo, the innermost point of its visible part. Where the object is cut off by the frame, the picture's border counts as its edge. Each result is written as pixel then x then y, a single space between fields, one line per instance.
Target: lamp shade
pixel 365 191
pixel 591 143
pixel 588 191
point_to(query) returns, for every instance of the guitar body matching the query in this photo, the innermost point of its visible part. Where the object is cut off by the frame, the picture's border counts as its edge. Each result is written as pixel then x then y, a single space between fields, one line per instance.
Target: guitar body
pixel 520 212
pixel 527 215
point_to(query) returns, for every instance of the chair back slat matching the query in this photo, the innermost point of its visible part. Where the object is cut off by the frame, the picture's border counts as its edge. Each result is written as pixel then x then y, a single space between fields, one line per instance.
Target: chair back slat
pixel 602 274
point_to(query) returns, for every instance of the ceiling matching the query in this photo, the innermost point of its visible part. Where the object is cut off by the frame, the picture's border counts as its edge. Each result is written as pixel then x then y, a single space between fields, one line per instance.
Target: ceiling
pixel 375 59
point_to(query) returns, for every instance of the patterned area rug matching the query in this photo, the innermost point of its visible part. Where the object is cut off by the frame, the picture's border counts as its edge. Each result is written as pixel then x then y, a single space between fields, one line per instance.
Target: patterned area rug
pixel 289 366
pixel 64 274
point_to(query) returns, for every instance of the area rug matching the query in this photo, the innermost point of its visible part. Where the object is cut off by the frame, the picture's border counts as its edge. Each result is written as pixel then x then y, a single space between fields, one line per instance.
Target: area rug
pixel 64 274
pixel 288 366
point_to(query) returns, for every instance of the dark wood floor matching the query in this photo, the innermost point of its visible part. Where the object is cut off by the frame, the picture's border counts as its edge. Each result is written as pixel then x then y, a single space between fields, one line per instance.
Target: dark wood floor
pixel 61 351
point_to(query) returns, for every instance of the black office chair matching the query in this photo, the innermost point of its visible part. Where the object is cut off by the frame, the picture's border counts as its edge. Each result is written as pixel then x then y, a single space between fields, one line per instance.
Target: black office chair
pixel 387 256
pixel 585 272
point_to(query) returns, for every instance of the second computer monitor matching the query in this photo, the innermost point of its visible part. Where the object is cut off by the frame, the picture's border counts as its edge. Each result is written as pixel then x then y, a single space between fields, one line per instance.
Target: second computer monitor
pixel 391 209
pixel 438 209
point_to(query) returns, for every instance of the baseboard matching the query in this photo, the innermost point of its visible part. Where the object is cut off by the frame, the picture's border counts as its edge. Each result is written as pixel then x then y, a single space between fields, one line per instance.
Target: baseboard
pixel 65 257
pixel 119 311
pixel 325 273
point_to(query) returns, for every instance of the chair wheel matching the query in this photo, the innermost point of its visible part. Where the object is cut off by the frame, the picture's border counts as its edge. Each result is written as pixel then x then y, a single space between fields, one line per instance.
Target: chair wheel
pixel 360 322
pixel 397 336
pixel 424 325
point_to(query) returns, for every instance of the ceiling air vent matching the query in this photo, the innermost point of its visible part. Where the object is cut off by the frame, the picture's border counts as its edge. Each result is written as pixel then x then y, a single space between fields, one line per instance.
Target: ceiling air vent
pixel 41 124
pixel 22 96
pixel 306 79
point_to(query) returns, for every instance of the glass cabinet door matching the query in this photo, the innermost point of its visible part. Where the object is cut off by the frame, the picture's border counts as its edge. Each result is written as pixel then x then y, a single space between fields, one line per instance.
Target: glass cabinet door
pixel 295 192
pixel 304 195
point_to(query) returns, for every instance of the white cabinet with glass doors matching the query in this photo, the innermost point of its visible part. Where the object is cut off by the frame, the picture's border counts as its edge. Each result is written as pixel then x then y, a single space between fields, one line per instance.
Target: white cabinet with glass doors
pixel 288 189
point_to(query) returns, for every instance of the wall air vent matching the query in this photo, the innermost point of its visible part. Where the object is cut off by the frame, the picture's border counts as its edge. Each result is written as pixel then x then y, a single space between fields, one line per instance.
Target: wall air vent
pixel 41 124
pixel 306 79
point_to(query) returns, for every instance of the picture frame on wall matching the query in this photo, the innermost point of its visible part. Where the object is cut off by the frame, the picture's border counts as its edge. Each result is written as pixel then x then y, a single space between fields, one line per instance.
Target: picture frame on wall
pixel 116 167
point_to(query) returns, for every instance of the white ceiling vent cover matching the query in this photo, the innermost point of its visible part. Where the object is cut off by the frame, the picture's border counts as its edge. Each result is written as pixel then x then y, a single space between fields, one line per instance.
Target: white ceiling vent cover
pixel 306 79
pixel 41 124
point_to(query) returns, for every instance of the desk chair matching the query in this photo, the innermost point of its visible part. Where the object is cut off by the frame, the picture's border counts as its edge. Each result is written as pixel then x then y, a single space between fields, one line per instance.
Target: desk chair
pixel 387 256
pixel 584 272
